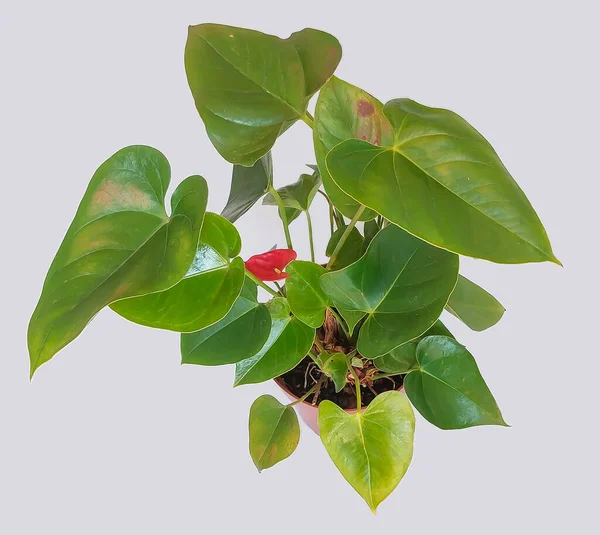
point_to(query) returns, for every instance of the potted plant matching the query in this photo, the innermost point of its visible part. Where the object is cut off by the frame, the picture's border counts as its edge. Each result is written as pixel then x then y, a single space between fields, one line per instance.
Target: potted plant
pixel 356 342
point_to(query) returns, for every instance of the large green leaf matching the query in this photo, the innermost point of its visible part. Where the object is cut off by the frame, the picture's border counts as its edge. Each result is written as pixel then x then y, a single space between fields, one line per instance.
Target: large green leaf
pixel 475 307
pixel 442 181
pixel 249 87
pixel 403 359
pixel 288 343
pixel 120 244
pixel 447 388
pixel 248 185
pixel 351 250
pixel 372 449
pixel 304 293
pixel 274 432
pixel 344 112
pixel 238 336
pixel 205 294
pixel 401 283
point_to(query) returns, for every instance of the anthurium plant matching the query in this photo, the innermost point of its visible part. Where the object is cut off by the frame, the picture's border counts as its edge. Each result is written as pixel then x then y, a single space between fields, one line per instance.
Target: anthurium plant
pixel 354 330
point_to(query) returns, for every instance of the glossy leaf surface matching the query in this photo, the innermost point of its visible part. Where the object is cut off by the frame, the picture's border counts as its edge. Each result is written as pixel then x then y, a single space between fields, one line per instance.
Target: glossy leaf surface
pixel 205 294
pixel 121 243
pixel 401 283
pixel 442 181
pixel 372 449
pixel 274 432
pixel 351 250
pixel 249 87
pixel 304 293
pixel 298 195
pixel 334 366
pixel 248 185
pixel 288 343
pixel 238 336
pixel 447 388
pixel 476 308
pixel 344 112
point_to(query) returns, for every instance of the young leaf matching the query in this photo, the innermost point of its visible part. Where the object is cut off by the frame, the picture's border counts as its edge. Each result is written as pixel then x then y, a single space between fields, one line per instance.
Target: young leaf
pixel 475 307
pixel 205 294
pixel 443 182
pixel 249 87
pixel 372 449
pixel 370 230
pixel 403 358
pixel 248 185
pixel 447 388
pixel 298 195
pixel 350 252
pixel 288 343
pixel 401 283
pixel 305 296
pixel 120 244
pixel 344 112
pixel 238 336
pixel 334 366
pixel 274 432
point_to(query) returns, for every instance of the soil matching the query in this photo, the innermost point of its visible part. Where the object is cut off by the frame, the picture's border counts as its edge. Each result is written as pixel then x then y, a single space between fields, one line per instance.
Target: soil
pixel 307 374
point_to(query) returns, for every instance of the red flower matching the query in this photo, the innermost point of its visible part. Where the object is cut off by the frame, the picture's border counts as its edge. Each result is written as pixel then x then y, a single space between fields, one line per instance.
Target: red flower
pixel 269 266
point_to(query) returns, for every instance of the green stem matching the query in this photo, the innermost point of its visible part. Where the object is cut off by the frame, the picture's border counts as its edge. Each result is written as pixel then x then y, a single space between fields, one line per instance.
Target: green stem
pixel 345 236
pixel 310 236
pixel 320 345
pixel 282 215
pixel 331 210
pixel 356 382
pixel 384 375
pixel 308 119
pixel 300 400
pixel 261 284
pixel 279 289
pixel 341 322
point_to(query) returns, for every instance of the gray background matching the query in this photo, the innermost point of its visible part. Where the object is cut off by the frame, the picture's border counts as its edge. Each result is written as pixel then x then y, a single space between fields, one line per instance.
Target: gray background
pixel 114 436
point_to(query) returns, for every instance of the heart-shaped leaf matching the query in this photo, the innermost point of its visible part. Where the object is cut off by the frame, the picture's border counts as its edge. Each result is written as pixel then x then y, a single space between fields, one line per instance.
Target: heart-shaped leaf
pixel 288 343
pixel 351 250
pixel 298 195
pixel 475 307
pixel 447 388
pixel 372 449
pixel 401 283
pixel 334 366
pixel 238 336
pixel 249 87
pixel 307 300
pixel 205 294
pixel 120 244
pixel 248 185
pixel 403 359
pixel 443 182
pixel 274 432
pixel 344 112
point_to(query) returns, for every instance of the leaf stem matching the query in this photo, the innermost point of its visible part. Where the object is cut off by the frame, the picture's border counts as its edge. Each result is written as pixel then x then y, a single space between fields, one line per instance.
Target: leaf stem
pixel 282 215
pixel 308 119
pixel 261 284
pixel 356 382
pixel 300 400
pixel 384 375
pixel 279 288
pixel 345 236
pixel 320 345
pixel 310 236
pixel 341 322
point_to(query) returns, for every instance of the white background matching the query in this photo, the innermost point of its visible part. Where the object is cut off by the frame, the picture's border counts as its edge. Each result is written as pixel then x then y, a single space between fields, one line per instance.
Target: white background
pixel 114 436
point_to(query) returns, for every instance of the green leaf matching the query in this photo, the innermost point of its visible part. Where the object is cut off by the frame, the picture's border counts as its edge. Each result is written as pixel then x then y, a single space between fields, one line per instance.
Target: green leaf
pixel 352 318
pixel 120 244
pixel 298 195
pixel 274 432
pixel 475 307
pixel 249 87
pixel 403 358
pixel 288 343
pixel 372 449
pixel 448 389
pixel 205 294
pixel 350 252
pixel 344 112
pixel 305 296
pixel 334 366
pixel 248 185
pixel 370 230
pixel 443 182
pixel 401 283
pixel 238 336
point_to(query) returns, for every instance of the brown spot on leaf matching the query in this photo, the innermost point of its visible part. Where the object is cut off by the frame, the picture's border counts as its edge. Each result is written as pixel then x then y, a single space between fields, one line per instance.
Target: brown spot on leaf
pixel 365 108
